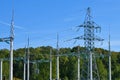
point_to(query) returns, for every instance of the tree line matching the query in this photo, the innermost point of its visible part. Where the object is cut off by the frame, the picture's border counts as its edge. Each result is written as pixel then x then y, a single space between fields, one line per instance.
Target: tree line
pixel 68 64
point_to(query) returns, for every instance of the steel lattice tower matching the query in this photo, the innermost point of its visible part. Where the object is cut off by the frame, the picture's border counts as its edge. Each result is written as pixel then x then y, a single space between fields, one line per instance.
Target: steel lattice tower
pixel 89 68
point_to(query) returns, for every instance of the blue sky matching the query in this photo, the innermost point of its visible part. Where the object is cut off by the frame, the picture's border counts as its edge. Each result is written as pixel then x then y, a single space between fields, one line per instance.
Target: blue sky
pixel 41 20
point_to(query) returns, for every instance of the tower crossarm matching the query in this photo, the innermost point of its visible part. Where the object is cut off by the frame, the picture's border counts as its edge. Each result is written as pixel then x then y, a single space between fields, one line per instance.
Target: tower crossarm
pixel 96 38
pixel 82 25
pixel 91 24
pixel 7 40
pixel 83 37
pixel 79 37
pixel 96 26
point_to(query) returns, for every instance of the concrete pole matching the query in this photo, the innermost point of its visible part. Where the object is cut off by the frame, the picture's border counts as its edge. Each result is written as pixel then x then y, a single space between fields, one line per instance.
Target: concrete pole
pixel 28 72
pixel 24 76
pixel 11 60
pixel 57 67
pixel 78 67
pixel 1 69
pixel 88 69
pixel 109 67
pixel 57 58
pixel 50 64
pixel 91 75
pixel 109 60
pixel 11 46
pixel 78 63
pixel 24 62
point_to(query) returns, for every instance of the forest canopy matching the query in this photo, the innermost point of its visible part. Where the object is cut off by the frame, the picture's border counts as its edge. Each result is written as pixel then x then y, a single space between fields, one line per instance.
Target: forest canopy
pixel 68 64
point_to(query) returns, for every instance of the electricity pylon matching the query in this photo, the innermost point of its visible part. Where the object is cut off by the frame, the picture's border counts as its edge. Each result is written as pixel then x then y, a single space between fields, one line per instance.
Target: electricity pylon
pixel 89 67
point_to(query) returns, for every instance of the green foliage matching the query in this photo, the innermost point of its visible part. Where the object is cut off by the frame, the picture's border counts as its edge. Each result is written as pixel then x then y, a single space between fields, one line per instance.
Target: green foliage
pixel 68 65
pixel 102 70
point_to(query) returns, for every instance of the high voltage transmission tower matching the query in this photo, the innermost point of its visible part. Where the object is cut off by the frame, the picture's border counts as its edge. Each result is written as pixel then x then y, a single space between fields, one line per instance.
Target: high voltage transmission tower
pixel 89 68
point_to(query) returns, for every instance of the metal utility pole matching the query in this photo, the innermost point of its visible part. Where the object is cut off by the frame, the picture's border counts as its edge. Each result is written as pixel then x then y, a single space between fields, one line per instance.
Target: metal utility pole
pixel 91 69
pixel 24 62
pixel 50 64
pixel 109 59
pixel 78 67
pixel 11 46
pixel 10 40
pixel 28 66
pixel 1 62
pixel 89 37
pixel 24 76
pixel 57 58
pixel 78 63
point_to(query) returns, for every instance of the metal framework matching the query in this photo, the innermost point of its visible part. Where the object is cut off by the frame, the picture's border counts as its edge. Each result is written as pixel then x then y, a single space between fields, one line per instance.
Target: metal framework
pixel 89 37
